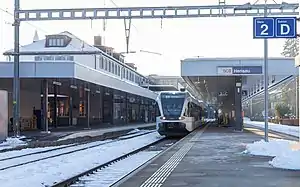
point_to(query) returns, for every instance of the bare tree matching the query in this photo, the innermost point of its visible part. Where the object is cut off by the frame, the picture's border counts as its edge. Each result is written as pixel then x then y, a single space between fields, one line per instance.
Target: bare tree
pixel 291 47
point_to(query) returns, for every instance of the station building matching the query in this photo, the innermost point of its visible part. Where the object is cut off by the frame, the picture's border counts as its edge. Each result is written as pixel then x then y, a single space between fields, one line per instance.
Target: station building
pixel 68 82
pixel 229 85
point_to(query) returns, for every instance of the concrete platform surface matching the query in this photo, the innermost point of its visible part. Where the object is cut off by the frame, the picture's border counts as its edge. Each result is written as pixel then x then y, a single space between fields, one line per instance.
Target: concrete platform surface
pixel 213 159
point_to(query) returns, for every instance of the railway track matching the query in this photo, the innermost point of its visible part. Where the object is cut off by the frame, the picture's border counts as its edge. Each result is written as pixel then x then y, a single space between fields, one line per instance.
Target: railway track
pixel 95 175
pixel 115 171
pixel 18 160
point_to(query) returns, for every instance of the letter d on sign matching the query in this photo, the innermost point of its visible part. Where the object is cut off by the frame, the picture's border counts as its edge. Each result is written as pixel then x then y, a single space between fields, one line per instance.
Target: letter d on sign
pixel 284 29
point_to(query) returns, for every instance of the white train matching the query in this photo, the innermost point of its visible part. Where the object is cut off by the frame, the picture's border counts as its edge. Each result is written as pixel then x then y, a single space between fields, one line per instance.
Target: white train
pixel 180 113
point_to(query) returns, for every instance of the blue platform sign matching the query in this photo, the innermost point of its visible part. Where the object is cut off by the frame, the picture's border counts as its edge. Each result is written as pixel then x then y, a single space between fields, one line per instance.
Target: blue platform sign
pixel 237 70
pixel 274 27
pixel 240 70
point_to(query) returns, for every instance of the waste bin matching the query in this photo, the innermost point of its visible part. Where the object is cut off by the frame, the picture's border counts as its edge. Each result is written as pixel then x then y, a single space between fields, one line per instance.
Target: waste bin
pixel 3 115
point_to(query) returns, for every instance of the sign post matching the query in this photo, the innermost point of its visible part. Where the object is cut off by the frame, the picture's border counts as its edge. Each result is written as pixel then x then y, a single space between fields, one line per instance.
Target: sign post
pixel 271 27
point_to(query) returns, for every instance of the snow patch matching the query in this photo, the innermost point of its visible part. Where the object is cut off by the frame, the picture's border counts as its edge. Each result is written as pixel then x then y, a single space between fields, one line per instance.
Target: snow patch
pixel 134 131
pixel 286 153
pixel 12 143
pixel 47 172
pixel 291 130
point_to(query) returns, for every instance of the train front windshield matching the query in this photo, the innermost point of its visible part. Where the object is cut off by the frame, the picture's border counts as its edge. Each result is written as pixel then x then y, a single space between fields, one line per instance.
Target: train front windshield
pixel 172 104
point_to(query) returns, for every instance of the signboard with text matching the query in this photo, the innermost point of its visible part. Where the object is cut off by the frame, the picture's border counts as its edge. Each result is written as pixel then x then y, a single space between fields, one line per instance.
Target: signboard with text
pixel 240 70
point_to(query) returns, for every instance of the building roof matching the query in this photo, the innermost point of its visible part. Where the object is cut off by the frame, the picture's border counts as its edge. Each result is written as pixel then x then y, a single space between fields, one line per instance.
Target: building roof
pixel 76 45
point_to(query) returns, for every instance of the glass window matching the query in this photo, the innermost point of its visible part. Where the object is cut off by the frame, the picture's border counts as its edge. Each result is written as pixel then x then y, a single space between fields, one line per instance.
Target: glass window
pixel 70 58
pixel 101 62
pixel 123 72
pixel 113 67
pixel 109 66
pixel 172 104
pixel 105 64
pixel 118 70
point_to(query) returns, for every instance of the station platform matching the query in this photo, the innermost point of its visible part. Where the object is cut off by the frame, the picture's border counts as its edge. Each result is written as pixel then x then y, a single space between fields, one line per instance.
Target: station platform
pixel 212 157
pixel 61 134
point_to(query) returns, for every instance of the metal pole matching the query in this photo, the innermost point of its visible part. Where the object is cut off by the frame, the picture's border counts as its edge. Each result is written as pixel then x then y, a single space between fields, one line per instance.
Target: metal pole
pixel 88 109
pixel 298 96
pixel 298 101
pixel 16 82
pixel 266 103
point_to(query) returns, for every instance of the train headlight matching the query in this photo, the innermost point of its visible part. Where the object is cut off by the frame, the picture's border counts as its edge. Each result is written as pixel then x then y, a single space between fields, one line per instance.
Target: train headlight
pixel 163 117
pixel 181 118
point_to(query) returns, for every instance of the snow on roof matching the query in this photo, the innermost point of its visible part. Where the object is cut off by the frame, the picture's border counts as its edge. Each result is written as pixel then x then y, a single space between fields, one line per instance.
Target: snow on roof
pixel 76 44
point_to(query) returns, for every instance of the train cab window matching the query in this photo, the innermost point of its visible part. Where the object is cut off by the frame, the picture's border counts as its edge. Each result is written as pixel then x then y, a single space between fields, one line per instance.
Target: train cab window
pixel 172 105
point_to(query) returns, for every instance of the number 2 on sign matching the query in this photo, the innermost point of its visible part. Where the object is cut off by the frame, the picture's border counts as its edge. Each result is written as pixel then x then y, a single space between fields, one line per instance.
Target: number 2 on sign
pixel 264 30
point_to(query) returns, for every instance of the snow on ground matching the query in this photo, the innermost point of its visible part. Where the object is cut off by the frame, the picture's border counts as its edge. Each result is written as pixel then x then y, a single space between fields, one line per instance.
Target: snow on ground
pixel 99 132
pixel 46 172
pixel 286 153
pixel 9 154
pixel 8 163
pixel 11 143
pixel 291 130
pixel 135 133
pixel 109 175
pixel 14 153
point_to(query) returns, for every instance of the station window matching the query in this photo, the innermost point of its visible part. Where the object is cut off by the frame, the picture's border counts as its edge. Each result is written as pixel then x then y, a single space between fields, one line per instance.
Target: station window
pixel 101 62
pixel 119 71
pixel 109 66
pixel 116 69
pixel 105 64
pixel 123 72
pixel 57 41
pixel 244 80
pixel 112 67
pixel 127 76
